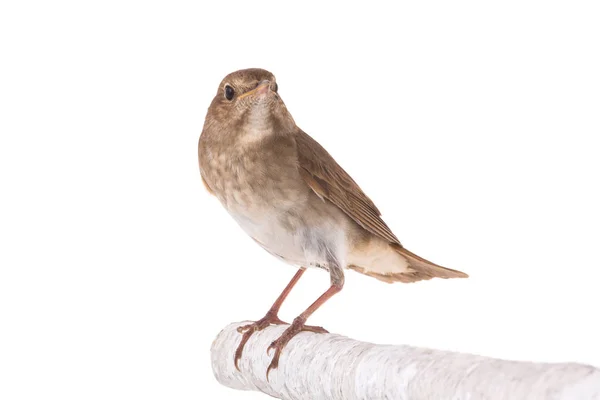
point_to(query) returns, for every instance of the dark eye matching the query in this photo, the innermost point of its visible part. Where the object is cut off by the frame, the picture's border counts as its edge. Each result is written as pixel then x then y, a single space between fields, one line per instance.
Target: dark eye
pixel 275 87
pixel 229 92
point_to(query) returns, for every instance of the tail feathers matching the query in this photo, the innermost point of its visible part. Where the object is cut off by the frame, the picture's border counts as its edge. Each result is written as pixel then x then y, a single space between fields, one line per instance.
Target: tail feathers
pixel 418 269
pixel 421 265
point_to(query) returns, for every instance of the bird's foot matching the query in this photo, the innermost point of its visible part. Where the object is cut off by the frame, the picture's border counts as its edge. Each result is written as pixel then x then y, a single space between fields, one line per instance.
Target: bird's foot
pixel 248 330
pixel 296 327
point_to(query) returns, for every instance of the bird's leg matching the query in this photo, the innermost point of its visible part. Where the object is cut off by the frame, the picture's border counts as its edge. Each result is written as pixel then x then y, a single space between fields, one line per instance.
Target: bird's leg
pixel 298 325
pixel 270 318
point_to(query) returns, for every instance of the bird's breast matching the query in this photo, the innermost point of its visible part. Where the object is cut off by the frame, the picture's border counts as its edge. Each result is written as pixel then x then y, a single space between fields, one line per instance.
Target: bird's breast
pixel 263 191
pixel 257 182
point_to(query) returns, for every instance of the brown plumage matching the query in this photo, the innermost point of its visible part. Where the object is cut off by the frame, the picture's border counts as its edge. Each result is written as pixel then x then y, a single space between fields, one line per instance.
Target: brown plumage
pixel 330 182
pixel 325 176
pixel 288 194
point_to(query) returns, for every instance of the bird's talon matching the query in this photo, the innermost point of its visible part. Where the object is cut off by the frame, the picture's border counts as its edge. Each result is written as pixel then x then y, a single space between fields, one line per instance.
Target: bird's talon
pixel 269 368
pixel 274 363
pixel 250 329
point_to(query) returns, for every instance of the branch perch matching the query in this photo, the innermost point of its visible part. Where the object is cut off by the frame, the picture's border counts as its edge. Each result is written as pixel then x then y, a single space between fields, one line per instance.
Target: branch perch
pixel 333 367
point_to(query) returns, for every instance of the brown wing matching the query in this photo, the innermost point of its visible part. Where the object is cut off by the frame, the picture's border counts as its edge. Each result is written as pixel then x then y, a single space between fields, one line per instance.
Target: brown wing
pixel 329 181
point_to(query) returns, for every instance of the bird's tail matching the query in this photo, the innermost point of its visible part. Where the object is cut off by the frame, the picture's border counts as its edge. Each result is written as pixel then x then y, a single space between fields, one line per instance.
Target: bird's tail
pixel 415 269
pixel 425 267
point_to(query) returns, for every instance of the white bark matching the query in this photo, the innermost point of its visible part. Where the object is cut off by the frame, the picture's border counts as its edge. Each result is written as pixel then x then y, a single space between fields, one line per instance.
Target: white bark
pixel 334 367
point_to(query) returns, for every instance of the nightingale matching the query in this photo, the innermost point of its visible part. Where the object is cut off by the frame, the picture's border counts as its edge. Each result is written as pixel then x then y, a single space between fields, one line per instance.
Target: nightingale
pixel 289 195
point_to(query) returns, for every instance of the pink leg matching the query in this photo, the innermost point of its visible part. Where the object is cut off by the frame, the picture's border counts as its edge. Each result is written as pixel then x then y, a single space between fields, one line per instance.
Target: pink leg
pixel 270 318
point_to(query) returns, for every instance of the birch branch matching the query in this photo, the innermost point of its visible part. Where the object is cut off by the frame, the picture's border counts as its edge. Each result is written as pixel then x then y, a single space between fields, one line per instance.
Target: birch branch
pixel 333 367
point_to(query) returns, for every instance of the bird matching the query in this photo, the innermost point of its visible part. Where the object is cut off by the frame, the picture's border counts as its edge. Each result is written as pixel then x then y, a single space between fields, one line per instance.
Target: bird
pixel 294 200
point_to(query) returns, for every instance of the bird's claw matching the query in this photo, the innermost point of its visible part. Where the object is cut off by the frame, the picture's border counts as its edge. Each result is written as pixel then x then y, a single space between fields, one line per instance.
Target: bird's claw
pixel 248 330
pixel 245 328
pixel 272 346
pixel 314 329
pixel 278 344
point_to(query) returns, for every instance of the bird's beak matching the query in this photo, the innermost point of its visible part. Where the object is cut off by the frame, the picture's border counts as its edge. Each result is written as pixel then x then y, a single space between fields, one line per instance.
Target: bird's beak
pixel 261 88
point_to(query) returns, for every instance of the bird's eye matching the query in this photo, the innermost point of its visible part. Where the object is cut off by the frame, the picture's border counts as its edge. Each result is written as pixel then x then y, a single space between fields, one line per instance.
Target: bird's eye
pixel 275 87
pixel 229 92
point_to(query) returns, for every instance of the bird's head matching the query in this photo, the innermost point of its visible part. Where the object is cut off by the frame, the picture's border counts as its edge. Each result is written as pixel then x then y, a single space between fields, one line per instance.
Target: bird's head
pixel 247 103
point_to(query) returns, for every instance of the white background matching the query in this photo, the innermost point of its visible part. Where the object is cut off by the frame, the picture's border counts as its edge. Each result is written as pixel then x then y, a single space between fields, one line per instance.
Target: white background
pixel 473 125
